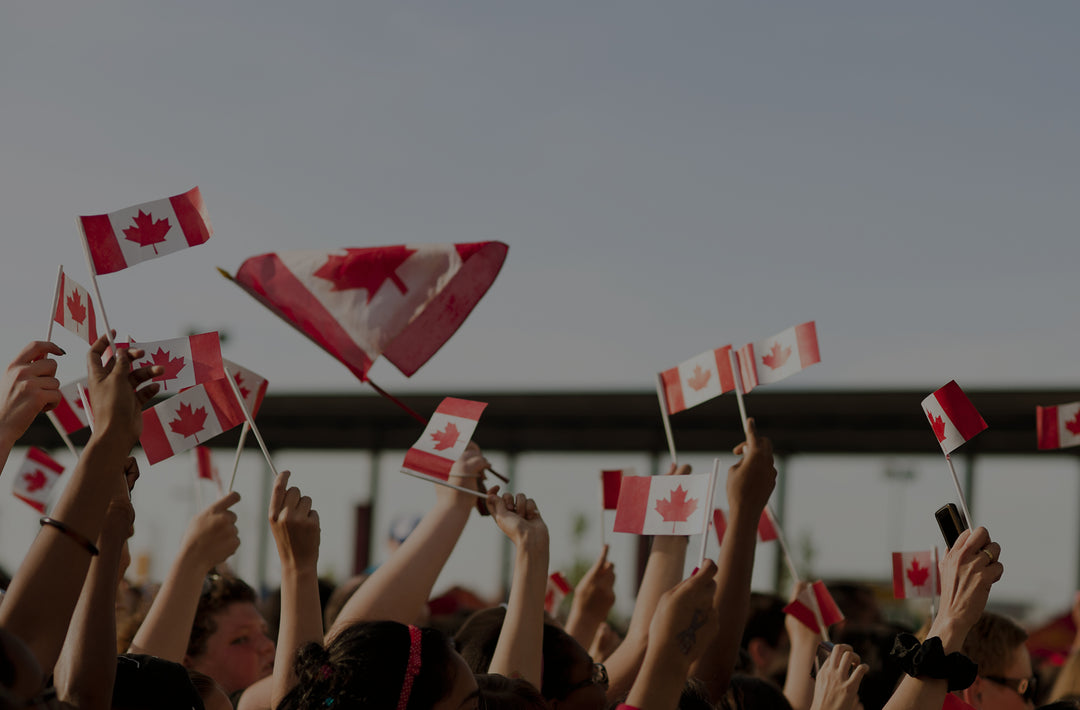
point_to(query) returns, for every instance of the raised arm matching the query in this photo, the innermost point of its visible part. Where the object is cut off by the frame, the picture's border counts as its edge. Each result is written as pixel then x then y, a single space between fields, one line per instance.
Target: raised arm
pixel 399 588
pixel 798 685
pixel 519 652
pixel 749 485
pixel 593 598
pixel 296 532
pixel 684 623
pixel 838 679
pixel 39 603
pixel 28 388
pixel 210 539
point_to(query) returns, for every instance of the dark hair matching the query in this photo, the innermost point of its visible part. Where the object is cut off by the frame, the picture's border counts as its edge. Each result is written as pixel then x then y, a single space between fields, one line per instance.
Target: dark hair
pixel 502 693
pixel 219 591
pixel 364 666
pixel 478 636
pixel 750 693
pixel 766 619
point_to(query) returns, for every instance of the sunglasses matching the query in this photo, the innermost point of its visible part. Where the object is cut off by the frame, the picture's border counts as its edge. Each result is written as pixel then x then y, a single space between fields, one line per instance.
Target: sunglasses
pixel 1024 687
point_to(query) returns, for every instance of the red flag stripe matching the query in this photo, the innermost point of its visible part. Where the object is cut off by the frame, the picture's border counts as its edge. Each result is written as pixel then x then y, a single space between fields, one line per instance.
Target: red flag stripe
pixel 673 393
pixel 719 525
pixel 723 366
pixel 748 367
pixel 898 575
pixel 101 240
pixel 154 441
pixel 612 480
pixel 206 356
pixel 69 421
pixel 35 504
pixel 60 316
pixel 633 504
pixel 38 456
pixel 189 211
pixel 428 464
pixel 806 337
pixel 223 400
pixel 1046 427
pixel 463 408
pixel 561 583
pixel 959 409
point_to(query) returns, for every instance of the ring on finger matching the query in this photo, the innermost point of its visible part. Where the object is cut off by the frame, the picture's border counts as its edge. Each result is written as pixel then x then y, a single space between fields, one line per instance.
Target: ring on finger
pixel 989 555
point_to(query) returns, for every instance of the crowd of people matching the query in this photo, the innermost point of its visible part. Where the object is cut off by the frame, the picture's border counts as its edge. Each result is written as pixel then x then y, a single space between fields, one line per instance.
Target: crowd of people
pixel 73 635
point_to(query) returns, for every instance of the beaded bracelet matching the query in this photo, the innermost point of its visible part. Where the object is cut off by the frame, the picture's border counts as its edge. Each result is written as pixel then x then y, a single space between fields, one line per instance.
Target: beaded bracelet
pixel 928 659
pixel 73 534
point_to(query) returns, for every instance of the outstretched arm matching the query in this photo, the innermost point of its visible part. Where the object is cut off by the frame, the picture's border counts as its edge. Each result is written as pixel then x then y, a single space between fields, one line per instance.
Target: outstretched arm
pixel 28 388
pixel 593 599
pixel 520 649
pixel 399 588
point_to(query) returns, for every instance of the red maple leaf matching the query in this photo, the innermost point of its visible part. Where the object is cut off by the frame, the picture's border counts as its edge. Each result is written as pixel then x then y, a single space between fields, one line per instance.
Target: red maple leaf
pixel 676 508
pixel 699 379
pixel 447 437
pixel 366 268
pixel 938 425
pixel 776 357
pixel 1073 424
pixel 34 481
pixel 188 422
pixel 146 231
pixel 244 391
pixel 171 365
pixel 76 307
pixel 918 575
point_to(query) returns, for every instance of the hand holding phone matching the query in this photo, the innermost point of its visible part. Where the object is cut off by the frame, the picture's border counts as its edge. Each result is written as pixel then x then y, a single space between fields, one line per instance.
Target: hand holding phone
pixel 951 522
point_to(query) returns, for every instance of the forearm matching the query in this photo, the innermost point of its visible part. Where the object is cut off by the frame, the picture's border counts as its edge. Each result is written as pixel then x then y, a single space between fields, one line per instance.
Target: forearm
pixel 658 685
pixel 1068 679
pixel 167 627
pixel 398 589
pixel 581 625
pixel 301 623
pixel 519 651
pixel 929 693
pixel 798 685
pixel 734 568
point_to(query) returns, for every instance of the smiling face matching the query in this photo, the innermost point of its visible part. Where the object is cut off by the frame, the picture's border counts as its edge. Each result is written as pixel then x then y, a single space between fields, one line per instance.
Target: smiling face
pixel 238 652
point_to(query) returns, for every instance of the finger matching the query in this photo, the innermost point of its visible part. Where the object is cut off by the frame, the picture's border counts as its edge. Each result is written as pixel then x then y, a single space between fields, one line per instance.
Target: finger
pixel 857 674
pixel 683 470
pixel 36 350
pixel 94 355
pixel 739 448
pixel 494 490
pixel 147 393
pixel 230 516
pixel 303 506
pixel 277 494
pixel 531 510
pixel 602 559
pixel 147 372
pixel 51 398
pixel 979 539
pixel 225 503
pixel 751 431
pixel 42 368
pixel 314 516
pixel 508 501
pixel 521 503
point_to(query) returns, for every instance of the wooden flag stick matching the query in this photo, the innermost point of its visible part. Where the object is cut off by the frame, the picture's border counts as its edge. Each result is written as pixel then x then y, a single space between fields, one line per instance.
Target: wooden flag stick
pixel 198 486
pixel 239 449
pixel 960 493
pixel 937 581
pixel 783 545
pixel 94 283
pixel 667 422
pixel 55 302
pixel 63 434
pixel 441 482
pixel 86 406
pixel 250 421
pixel 737 373
pixel 708 509
pixel 818 617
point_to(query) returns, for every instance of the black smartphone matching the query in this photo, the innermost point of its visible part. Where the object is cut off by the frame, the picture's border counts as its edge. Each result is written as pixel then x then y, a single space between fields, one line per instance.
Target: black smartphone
pixel 951 522
pixel 820 657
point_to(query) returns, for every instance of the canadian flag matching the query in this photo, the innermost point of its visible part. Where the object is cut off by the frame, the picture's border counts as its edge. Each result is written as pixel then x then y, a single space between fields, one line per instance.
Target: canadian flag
pixel 780 356
pixel 952 416
pixel 698 379
pixel 915 574
pixel 610 481
pixel 557 589
pixel 445 438
pixel 719 523
pixel 802 608
pixel 1058 427
pixel 766 527
pixel 187 361
pixel 402 302
pixel 36 478
pixel 69 414
pixel 74 309
pixel 204 463
pixel 192 417
pixel 664 505
pixel 251 384
pixel 125 237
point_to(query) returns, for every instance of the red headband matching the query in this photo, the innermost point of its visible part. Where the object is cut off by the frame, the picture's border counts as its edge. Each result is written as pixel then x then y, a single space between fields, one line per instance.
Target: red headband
pixel 411 669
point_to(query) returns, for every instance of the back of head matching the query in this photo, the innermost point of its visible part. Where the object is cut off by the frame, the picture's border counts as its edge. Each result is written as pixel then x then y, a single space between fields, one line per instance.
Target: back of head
pixel 148 682
pixel 502 693
pixel 766 619
pixel 749 693
pixel 365 666
pixel 992 643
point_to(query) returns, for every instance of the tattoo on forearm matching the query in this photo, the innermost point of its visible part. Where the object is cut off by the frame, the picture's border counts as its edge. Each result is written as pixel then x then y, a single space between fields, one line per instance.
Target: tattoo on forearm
pixel 688 636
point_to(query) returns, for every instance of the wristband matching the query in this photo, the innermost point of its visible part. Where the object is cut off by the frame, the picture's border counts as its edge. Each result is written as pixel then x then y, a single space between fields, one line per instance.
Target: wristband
pixel 73 534
pixel 928 660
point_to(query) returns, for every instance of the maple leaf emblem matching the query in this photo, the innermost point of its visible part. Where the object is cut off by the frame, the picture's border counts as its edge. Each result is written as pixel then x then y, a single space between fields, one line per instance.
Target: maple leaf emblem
pixel 918 575
pixel 146 232
pixel 171 365
pixel 367 268
pixel 938 425
pixel 188 422
pixel 776 357
pixel 447 437
pixel 676 507
pixel 34 481
pixel 244 391
pixel 1073 424
pixel 699 379
pixel 76 308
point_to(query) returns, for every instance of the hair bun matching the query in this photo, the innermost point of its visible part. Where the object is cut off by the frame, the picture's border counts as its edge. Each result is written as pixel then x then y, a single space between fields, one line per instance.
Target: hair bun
pixel 312 663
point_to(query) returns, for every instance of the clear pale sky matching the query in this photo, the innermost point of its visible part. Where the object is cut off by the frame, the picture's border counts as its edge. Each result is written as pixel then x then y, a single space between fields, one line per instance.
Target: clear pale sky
pixel 669 177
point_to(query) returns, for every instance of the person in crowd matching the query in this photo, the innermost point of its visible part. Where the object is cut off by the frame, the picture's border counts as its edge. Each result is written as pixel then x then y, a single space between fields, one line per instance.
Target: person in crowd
pixel 1006 679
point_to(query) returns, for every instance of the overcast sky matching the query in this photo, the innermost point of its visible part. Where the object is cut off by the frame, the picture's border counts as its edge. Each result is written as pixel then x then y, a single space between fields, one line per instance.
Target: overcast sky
pixel 670 177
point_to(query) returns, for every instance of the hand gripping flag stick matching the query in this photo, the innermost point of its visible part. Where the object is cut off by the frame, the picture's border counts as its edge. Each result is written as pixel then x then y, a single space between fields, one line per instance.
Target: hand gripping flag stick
pixel 250 421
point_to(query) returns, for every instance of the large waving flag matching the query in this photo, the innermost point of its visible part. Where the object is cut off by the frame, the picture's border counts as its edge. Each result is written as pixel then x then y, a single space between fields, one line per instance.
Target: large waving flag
pixel 1058 427
pixel 402 302
pixel 445 438
pixel 780 356
pixel 74 309
pixel 192 417
pixel 36 478
pixel 664 505
pixel 952 416
pixel 125 237
pixel 698 379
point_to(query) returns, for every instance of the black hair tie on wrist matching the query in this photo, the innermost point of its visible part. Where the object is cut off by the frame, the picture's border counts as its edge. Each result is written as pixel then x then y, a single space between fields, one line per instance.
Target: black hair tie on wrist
pixel 928 660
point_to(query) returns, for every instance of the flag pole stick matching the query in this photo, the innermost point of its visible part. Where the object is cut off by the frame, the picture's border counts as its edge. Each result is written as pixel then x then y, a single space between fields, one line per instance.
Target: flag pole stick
pixel 86 406
pixel 708 507
pixel 603 532
pixel 667 422
pixel 783 546
pixel 55 302
pixel 236 459
pixel 250 421
pixel 94 283
pixel 960 492
pixel 195 480
pixel 737 374
pixel 818 617
pixel 441 482
pixel 63 434
pixel 933 591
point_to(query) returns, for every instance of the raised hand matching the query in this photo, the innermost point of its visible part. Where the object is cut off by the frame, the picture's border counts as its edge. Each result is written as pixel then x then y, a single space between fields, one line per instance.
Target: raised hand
pixel 518 518
pixel 212 536
pixel 595 593
pixel 294 524
pixel 466 472
pixel 113 388
pixel 751 481
pixel 968 570
pixel 837 684
pixel 27 388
